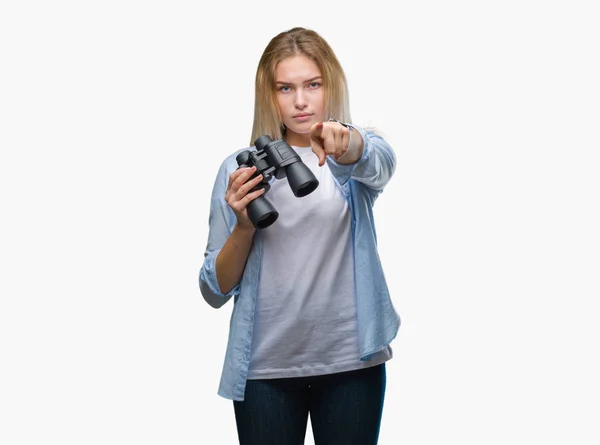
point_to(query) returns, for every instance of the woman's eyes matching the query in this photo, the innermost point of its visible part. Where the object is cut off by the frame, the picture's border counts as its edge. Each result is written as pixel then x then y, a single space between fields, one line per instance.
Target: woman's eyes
pixel 312 85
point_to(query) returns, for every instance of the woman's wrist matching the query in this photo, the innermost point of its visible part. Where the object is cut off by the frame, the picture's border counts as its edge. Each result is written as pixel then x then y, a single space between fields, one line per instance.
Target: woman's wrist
pixel 355 148
pixel 244 230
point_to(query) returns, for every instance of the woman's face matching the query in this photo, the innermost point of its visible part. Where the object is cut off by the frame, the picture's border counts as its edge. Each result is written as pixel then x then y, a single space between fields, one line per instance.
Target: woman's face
pixel 300 97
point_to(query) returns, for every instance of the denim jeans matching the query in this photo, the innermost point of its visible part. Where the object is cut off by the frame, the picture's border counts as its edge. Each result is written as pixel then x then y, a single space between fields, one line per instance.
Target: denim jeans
pixel 345 409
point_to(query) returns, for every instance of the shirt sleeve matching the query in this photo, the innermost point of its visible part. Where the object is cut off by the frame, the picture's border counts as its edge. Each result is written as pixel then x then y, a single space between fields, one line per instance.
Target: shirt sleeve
pixel 375 167
pixel 220 228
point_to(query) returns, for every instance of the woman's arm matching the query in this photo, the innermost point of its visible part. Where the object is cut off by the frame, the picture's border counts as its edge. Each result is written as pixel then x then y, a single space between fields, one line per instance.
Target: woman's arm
pixel 230 235
pixel 231 260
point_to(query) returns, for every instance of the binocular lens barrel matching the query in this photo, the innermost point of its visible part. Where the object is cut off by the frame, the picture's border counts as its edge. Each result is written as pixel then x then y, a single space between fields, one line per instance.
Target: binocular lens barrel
pixel 261 212
pixel 301 179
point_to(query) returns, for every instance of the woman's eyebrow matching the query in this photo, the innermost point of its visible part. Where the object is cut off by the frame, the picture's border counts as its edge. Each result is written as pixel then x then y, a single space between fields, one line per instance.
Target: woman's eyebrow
pixel 306 81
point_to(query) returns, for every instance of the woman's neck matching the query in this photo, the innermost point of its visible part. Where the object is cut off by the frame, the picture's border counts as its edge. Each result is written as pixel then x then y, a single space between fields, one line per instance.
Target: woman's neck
pixel 297 139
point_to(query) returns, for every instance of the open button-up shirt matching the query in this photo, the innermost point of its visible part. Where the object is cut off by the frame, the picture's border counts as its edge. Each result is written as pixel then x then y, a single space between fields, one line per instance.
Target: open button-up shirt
pixel 377 320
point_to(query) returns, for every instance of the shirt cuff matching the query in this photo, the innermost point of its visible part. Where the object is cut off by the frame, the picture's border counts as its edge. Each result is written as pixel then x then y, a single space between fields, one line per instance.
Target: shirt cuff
pixel 208 276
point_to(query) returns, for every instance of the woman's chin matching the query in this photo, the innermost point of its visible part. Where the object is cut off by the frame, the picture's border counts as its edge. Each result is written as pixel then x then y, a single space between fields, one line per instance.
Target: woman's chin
pixel 303 128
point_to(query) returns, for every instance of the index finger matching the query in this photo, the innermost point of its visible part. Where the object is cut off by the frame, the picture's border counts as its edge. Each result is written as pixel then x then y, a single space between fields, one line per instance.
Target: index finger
pixel 316 142
pixel 316 130
pixel 318 149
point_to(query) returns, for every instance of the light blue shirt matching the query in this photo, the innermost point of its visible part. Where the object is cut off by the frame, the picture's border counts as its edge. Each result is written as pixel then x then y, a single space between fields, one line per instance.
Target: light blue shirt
pixel 377 319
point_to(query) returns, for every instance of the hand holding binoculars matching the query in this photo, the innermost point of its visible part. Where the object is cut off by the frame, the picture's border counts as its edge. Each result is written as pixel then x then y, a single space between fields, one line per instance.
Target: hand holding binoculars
pixel 274 158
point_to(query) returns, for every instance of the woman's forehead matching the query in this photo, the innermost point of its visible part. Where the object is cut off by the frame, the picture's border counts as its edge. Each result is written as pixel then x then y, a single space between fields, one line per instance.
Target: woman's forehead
pixel 296 69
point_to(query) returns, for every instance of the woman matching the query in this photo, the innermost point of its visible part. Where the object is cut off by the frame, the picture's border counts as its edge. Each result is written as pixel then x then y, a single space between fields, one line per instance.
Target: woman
pixel 312 320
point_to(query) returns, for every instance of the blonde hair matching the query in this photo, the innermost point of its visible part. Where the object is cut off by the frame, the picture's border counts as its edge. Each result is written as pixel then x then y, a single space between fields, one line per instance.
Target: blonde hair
pixel 294 42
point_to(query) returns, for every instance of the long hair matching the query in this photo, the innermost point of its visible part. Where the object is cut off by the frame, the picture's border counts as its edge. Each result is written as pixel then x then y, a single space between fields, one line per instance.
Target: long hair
pixel 294 42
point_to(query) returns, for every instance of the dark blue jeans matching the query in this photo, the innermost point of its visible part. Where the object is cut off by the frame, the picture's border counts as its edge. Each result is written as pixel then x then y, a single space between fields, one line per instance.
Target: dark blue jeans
pixel 345 409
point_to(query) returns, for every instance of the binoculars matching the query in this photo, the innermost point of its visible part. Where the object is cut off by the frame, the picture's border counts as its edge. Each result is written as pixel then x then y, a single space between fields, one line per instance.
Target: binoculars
pixel 274 158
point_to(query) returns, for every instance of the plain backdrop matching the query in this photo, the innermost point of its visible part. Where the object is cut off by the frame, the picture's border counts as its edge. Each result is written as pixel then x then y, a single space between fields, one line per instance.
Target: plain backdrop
pixel 114 118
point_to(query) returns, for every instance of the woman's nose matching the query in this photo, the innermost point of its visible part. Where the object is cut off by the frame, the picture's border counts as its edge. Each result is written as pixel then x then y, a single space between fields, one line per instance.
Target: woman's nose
pixel 300 100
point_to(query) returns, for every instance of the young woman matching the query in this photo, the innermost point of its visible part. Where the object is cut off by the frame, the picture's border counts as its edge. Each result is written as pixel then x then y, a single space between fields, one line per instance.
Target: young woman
pixel 312 320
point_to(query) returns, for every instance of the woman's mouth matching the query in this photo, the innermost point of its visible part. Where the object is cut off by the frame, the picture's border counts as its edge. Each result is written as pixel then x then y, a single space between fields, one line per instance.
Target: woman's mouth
pixel 302 117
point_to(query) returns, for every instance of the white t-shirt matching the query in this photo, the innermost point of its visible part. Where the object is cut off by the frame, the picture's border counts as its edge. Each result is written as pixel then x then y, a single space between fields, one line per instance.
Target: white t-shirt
pixel 305 320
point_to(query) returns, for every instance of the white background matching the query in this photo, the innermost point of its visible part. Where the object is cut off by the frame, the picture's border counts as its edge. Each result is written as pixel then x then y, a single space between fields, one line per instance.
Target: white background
pixel 114 117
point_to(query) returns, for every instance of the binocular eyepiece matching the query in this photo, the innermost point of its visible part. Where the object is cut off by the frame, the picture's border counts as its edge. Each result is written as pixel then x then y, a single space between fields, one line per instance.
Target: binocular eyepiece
pixel 274 158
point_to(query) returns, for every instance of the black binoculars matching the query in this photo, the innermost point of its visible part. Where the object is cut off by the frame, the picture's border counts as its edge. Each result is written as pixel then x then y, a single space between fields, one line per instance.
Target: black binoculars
pixel 274 158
